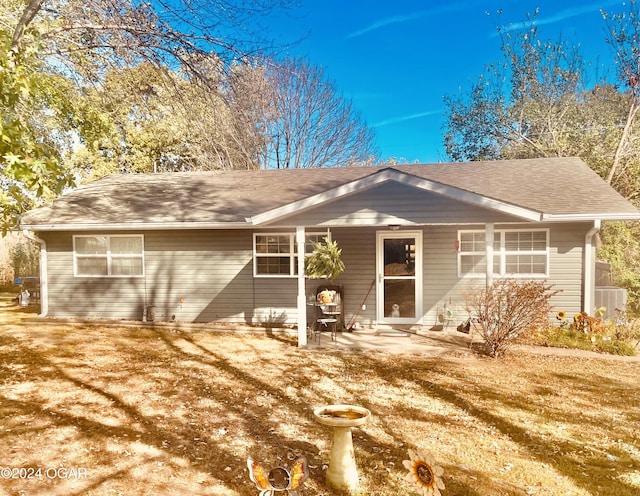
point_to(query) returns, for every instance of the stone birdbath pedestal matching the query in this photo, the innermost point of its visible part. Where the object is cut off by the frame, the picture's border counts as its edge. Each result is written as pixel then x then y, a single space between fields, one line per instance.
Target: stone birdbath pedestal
pixel 342 472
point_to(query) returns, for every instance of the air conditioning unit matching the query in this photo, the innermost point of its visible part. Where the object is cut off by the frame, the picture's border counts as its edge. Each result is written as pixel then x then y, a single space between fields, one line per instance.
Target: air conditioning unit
pixel 610 297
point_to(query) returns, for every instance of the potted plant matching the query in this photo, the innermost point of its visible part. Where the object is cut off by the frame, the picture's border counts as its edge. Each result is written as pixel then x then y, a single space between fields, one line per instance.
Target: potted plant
pixel 325 261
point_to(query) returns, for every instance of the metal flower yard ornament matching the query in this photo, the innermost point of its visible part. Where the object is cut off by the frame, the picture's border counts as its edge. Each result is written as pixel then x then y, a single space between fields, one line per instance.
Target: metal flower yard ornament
pixel 279 479
pixel 424 472
pixel 324 261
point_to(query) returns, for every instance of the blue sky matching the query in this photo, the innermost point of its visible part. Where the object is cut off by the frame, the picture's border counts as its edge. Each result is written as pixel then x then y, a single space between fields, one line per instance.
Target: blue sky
pixel 397 59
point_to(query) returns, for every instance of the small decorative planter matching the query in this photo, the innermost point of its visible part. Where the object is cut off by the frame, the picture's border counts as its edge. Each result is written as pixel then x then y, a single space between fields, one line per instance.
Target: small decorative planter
pixel 342 472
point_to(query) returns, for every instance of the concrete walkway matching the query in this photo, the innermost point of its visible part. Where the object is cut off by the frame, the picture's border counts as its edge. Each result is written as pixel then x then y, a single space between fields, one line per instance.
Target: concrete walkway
pixel 448 342
pixel 396 340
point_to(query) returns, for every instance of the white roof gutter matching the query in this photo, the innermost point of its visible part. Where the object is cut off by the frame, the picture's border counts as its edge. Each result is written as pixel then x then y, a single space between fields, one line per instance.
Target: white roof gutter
pixel 134 226
pixel 590 217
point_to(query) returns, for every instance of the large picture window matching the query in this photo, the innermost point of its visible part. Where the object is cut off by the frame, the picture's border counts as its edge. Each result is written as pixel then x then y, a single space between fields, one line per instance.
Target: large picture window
pixel 108 256
pixel 276 254
pixel 516 253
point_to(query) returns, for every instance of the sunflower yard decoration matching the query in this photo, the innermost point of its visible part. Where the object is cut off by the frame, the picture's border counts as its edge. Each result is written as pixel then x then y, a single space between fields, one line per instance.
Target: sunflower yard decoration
pixel 424 472
pixel 587 324
pixel 278 479
pixel 562 317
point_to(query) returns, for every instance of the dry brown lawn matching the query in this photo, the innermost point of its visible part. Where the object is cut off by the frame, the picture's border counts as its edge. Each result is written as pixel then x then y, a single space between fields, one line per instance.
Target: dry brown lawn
pixel 136 411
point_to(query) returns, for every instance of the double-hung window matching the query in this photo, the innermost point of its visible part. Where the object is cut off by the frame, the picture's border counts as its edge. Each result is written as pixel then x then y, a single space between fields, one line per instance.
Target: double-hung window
pixel 276 254
pixel 516 253
pixel 108 255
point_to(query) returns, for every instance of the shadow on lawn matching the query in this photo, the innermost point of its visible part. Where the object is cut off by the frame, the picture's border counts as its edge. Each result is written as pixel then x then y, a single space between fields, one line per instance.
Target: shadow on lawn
pixel 147 407
pixel 554 451
pixel 167 437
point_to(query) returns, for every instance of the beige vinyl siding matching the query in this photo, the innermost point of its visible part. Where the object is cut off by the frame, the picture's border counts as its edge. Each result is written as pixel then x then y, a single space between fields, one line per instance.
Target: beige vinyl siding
pixel 443 287
pixel 87 297
pixel 193 276
pixel 441 284
pixel 212 272
pixel 359 257
pixel 566 265
pixel 275 301
pixel 393 203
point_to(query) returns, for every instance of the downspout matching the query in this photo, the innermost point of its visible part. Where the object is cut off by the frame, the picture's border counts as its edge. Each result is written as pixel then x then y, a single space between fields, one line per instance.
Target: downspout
pixel 590 268
pixel 488 247
pixel 44 286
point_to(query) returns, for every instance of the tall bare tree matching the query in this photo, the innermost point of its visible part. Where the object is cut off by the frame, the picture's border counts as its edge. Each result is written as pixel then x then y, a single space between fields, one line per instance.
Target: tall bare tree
pixel 623 35
pixel 87 36
pixel 309 123
pixel 54 51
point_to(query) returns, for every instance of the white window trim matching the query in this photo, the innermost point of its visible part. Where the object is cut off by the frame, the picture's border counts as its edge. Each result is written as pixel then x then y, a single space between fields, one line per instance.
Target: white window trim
pixel 501 253
pixel 292 255
pixel 108 256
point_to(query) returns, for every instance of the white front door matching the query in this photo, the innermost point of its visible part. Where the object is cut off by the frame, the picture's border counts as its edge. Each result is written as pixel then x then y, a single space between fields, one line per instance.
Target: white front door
pixel 399 277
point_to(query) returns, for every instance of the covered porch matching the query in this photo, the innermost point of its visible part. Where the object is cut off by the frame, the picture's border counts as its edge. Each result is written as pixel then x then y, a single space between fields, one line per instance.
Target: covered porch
pixel 397 339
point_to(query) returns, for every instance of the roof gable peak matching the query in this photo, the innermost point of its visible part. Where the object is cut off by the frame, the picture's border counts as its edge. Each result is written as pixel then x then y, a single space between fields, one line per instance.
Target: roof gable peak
pixel 382 176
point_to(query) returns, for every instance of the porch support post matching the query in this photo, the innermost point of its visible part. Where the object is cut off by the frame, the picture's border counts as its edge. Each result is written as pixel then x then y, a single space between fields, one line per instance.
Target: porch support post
pixel 488 245
pixel 589 270
pixel 302 298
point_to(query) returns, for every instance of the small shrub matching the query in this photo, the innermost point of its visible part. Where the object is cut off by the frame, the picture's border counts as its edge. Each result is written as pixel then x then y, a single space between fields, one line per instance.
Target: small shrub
pixel 509 308
pixel 563 337
pixel 626 328
pixel 614 347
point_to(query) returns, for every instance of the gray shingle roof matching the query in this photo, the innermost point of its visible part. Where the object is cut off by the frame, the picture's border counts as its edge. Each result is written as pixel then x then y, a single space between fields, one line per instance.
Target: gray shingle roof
pixel 549 186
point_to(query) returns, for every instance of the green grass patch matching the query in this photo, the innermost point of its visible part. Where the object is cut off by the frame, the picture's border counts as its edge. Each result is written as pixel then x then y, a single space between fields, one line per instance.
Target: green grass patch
pixel 566 337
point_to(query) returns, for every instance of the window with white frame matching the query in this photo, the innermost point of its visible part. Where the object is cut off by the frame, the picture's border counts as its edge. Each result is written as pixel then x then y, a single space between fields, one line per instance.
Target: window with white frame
pixel 516 253
pixel 108 255
pixel 276 254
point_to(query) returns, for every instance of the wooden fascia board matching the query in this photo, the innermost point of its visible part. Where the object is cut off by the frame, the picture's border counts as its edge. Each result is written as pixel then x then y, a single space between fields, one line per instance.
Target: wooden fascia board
pixel 470 197
pixel 321 198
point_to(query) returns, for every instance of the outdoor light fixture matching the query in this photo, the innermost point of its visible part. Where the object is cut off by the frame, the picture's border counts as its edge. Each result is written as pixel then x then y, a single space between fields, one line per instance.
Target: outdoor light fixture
pixel 394 227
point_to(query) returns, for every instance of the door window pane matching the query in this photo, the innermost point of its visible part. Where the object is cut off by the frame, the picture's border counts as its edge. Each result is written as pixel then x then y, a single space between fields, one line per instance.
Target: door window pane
pixel 400 298
pixel 400 257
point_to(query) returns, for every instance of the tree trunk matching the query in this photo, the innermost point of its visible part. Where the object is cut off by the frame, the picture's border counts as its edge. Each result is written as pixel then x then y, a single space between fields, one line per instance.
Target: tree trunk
pixel 633 110
pixel 30 11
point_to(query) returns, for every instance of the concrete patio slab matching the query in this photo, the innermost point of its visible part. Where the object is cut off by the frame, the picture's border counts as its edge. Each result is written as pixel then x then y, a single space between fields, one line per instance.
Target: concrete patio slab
pixel 397 340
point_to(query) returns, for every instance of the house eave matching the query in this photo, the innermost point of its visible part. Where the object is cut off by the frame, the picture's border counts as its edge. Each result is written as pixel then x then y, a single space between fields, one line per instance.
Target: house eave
pixel 133 226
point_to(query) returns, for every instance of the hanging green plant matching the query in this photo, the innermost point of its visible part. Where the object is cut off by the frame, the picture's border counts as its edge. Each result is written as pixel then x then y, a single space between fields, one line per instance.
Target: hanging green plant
pixel 325 261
